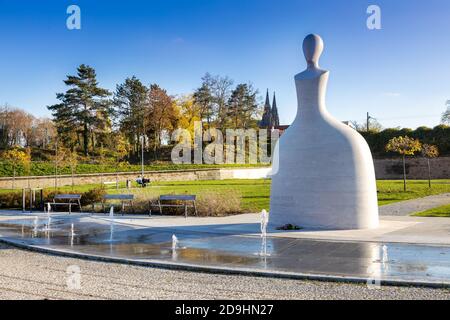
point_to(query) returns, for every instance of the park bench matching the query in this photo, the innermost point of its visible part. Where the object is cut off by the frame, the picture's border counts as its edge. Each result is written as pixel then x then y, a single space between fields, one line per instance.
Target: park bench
pixel 188 201
pixel 66 200
pixel 125 200
pixel 111 183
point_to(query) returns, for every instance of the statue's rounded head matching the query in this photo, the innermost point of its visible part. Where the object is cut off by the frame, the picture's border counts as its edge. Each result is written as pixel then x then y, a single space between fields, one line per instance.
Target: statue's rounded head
pixel 313 48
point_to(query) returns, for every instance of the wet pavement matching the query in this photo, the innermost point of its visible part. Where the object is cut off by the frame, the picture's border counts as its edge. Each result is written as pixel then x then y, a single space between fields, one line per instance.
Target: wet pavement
pixel 240 252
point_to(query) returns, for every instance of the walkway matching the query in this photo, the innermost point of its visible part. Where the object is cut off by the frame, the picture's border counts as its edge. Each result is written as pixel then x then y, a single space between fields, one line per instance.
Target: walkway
pixel 409 207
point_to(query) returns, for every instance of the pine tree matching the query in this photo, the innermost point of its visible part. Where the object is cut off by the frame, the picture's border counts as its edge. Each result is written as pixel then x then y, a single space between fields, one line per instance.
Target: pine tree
pixel 84 108
pixel 130 101
pixel 242 106
pixel 204 100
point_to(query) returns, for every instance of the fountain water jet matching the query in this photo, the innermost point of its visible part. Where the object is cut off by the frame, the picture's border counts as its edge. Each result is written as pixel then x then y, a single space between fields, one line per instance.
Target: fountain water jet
pixel 264 223
pixel 111 216
pixel 174 242
pixel 35 226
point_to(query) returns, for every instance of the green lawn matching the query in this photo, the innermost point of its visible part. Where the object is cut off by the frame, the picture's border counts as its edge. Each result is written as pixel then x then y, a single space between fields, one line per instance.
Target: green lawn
pixel 441 212
pixel 255 193
pixel 392 191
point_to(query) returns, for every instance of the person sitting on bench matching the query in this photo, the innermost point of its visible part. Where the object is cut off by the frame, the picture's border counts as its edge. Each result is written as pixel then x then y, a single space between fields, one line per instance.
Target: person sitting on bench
pixel 142 181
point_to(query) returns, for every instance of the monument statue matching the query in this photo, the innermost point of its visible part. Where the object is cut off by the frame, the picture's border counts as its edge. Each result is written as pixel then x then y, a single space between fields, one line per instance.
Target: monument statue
pixel 323 173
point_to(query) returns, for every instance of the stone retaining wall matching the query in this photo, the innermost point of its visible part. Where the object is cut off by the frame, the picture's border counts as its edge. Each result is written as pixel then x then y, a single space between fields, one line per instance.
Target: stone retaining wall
pixel 384 168
pixel 187 175
pixel 416 168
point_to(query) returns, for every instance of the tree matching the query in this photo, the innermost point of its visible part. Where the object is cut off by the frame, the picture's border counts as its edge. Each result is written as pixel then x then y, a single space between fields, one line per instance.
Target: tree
pixel 446 114
pixel 204 100
pixel 161 114
pixel 44 133
pixel 121 147
pixel 16 127
pixel 70 158
pixel 220 90
pixel 60 154
pixel 130 101
pixel 405 146
pixel 84 109
pixel 374 126
pixel 189 113
pixel 429 152
pixel 17 157
pixel 242 106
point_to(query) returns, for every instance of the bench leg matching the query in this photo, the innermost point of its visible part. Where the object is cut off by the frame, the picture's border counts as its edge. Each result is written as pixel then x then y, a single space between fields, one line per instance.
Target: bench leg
pixel 185 210
pixel 160 207
pixel 24 198
pixel 70 208
pixel 195 209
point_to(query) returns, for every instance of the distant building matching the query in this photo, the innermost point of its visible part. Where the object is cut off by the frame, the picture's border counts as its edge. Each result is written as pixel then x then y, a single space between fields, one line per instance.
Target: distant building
pixel 270 118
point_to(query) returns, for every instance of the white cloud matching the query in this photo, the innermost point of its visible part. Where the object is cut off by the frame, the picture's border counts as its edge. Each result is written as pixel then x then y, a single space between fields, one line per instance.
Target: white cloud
pixel 391 94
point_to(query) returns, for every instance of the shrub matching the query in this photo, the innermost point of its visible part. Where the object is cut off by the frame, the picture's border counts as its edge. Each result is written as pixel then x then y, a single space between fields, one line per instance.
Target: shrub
pixel 209 204
pixel 11 200
pixel 92 196
pixel 87 198
pixel 212 204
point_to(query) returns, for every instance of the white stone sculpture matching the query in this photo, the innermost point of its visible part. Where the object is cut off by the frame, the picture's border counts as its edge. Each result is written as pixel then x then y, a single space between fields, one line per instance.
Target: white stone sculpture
pixel 323 172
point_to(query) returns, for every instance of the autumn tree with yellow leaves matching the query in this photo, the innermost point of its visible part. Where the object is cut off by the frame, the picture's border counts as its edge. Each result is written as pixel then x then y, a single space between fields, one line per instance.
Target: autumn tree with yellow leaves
pixel 405 146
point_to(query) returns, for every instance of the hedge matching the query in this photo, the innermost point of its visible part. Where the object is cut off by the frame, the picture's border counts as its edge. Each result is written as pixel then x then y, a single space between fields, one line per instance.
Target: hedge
pixel 48 168
pixel 438 136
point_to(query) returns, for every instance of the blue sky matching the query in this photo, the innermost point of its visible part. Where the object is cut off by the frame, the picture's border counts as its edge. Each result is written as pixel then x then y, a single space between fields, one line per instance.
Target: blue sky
pixel 400 74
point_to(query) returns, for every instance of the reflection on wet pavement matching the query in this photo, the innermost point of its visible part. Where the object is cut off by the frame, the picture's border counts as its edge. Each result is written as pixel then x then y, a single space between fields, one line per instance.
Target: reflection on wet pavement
pixel 86 235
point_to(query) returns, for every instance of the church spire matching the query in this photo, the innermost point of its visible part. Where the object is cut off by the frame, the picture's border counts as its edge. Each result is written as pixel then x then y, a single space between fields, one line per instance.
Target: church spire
pixel 274 113
pixel 267 100
pixel 266 121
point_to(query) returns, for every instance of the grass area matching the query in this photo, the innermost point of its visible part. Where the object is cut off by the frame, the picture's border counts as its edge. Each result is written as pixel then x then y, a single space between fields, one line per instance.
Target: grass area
pixel 390 191
pixel 441 212
pixel 256 193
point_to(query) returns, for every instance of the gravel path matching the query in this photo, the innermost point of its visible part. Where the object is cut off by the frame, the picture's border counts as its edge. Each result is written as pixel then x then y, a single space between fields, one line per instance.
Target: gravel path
pixel 29 275
pixel 408 207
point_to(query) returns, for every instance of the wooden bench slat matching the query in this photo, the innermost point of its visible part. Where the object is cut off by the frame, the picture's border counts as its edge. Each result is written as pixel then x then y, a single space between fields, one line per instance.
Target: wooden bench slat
pixel 118 197
pixel 177 197
pixel 68 196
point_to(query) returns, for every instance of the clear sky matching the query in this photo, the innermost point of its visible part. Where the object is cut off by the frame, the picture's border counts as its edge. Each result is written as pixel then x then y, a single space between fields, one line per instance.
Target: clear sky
pixel 400 74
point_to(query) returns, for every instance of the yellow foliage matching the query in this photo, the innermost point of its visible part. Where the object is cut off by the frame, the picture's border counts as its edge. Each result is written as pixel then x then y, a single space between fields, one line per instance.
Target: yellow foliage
pixel 404 145
pixel 17 156
pixel 430 151
pixel 121 147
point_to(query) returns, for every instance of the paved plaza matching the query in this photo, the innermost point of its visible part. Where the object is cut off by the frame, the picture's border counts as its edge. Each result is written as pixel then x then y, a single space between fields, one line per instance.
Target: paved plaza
pixel 405 250
pixel 30 275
